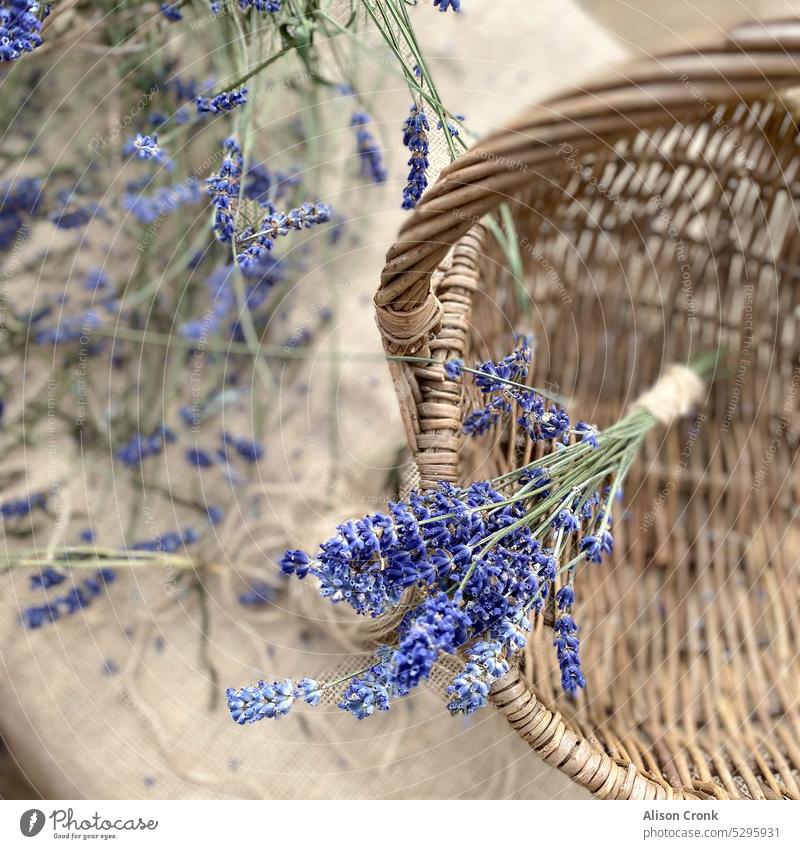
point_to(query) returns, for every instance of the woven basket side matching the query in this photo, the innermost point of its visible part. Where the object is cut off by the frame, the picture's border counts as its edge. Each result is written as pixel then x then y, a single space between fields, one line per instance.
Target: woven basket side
pixel 723 183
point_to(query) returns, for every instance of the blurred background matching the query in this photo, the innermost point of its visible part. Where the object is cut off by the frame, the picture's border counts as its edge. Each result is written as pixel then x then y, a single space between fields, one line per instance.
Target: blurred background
pixel 125 700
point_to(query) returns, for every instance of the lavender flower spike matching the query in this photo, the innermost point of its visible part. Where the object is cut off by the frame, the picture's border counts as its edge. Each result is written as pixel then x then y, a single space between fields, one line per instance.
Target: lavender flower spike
pixel 262 701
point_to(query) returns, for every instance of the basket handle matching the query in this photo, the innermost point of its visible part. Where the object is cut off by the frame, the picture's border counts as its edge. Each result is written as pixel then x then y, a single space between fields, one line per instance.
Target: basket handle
pixel 754 61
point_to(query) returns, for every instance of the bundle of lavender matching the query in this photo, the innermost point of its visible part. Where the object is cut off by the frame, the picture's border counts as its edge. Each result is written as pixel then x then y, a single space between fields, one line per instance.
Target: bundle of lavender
pixel 478 562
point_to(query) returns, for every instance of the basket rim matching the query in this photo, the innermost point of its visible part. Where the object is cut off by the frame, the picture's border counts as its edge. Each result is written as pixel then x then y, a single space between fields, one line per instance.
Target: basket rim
pixel 754 60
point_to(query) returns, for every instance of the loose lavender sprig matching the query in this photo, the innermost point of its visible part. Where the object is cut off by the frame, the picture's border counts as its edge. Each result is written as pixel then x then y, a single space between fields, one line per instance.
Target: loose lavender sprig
pixel 171 11
pixel 224 102
pixel 224 190
pixel 502 385
pixel 273 226
pixel 139 448
pixel 259 594
pixel 18 508
pixel 20 200
pixel 78 598
pixel 250 450
pixel 52 570
pixel 261 5
pixel 367 148
pixel 169 542
pixel 46 578
pixel 162 202
pixel 144 147
pixel 392 20
pixel 415 138
pixel 251 245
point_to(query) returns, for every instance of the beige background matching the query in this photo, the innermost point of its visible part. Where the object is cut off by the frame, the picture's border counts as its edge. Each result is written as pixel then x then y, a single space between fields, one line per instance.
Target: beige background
pixel 148 731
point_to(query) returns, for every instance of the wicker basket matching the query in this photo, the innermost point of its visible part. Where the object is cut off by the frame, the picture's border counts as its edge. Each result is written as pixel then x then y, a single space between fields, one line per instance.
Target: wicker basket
pixel 657 218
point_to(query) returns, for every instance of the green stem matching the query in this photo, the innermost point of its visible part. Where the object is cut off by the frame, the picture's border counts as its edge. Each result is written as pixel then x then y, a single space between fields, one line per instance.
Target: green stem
pixel 240 81
pixel 91 557
pixel 328 684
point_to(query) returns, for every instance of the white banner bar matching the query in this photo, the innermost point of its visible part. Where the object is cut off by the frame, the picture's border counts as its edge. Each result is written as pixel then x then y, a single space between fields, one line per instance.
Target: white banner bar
pixel 402 824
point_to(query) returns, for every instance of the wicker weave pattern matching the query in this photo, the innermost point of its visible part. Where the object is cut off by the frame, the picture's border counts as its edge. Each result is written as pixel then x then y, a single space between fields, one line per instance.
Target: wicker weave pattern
pixel 669 226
